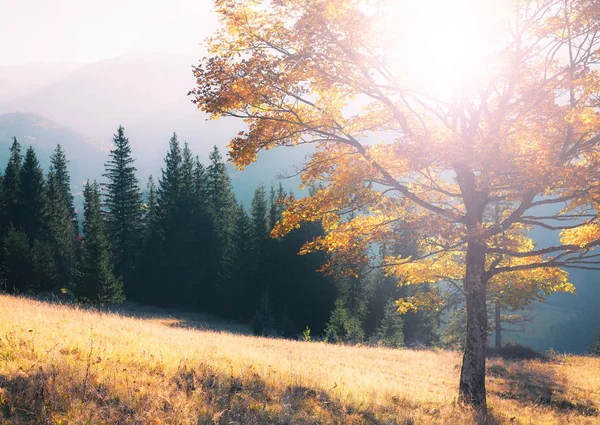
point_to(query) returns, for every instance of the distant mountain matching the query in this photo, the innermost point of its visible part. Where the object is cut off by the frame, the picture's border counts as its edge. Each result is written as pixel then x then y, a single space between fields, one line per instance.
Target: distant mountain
pixel 147 94
pixel 95 98
pixel 85 154
pixel 21 80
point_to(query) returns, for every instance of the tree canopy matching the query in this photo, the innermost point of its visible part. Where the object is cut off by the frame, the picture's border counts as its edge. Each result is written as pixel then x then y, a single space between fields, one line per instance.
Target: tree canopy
pixel 393 155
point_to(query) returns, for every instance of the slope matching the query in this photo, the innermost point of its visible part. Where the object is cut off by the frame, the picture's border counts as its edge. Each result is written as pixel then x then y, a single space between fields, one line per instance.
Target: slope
pixel 63 364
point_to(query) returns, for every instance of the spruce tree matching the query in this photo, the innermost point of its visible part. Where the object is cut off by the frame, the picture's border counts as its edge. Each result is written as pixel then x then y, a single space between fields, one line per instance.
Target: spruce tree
pixel 258 212
pixel 18 264
pixel 201 287
pixel 61 180
pixel 148 264
pixel 62 222
pixel 33 196
pixel 222 210
pixel 276 206
pixel 95 281
pixel 390 332
pixel 166 280
pixel 123 201
pixel 233 292
pixel 150 207
pixel 169 185
pixel 12 186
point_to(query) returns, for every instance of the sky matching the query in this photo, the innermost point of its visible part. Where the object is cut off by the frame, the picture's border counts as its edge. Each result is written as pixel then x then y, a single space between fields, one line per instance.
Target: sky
pixel 83 31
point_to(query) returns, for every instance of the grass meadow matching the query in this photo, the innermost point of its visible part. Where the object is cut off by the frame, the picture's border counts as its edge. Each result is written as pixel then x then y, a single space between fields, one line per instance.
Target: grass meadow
pixel 61 364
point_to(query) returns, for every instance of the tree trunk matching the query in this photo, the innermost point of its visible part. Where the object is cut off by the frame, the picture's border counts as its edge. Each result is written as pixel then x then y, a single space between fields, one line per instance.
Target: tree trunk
pixel 498 323
pixel 472 374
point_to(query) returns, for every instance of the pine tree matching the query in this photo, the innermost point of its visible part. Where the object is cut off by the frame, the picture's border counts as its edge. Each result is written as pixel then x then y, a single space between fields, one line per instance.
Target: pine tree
pixel 390 332
pixel 594 349
pixel 61 180
pixel 156 277
pixel 187 242
pixel 146 282
pixel 166 283
pixel 123 201
pixel 12 186
pixel 299 291
pixel 258 213
pixel 62 221
pixel 276 205
pixel 343 327
pixel 94 279
pixel 16 271
pixel 151 205
pixel 232 293
pixel 33 196
pixel 222 211
pixel 169 185
pixel 264 249
pixel 201 286
pixel 44 269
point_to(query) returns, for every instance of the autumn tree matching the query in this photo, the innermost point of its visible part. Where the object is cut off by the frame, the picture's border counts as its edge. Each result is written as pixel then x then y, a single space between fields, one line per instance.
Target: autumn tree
pixel 512 116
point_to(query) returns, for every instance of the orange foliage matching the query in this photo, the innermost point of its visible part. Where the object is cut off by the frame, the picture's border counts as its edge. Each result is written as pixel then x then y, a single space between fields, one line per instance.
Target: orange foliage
pixel 392 157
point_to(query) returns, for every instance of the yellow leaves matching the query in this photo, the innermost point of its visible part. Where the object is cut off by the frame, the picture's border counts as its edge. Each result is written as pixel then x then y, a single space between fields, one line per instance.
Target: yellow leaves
pixel 389 155
pixel 518 288
pixel 424 300
pixel 432 269
pixel 581 236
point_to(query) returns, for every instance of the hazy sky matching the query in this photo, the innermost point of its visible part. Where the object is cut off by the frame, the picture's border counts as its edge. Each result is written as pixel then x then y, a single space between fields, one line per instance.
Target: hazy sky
pixel 88 30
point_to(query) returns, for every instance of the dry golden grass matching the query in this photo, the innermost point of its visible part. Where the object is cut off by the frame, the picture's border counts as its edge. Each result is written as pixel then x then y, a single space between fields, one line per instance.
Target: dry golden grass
pixel 64 365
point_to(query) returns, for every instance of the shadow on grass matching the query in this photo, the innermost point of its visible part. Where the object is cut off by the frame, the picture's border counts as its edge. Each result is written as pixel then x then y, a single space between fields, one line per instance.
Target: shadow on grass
pixel 217 398
pixel 528 384
pixel 175 317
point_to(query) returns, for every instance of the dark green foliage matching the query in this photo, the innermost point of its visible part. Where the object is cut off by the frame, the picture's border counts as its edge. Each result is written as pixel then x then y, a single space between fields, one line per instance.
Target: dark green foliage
pixel 94 278
pixel 299 291
pixel 418 329
pixel 178 262
pixel 146 284
pixel 12 187
pixel 594 350
pixel 343 327
pixel 187 242
pixel 219 193
pixel 258 213
pixel 455 331
pixel 263 322
pixel 222 211
pixel 33 198
pixel 61 180
pixel 232 292
pixel 151 205
pixel 18 263
pixel 276 205
pixel 45 273
pixel 391 330
pixel 62 223
pixel 162 282
pixel 123 202
pixel 27 268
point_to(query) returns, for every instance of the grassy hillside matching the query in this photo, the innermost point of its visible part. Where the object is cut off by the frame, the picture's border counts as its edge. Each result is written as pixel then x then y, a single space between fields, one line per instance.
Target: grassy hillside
pixel 64 365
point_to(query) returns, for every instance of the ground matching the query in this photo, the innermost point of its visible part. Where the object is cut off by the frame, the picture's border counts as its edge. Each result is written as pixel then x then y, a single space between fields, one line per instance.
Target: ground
pixel 60 364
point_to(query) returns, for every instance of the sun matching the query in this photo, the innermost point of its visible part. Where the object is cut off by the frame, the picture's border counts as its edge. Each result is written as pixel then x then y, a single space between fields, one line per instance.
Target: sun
pixel 445 45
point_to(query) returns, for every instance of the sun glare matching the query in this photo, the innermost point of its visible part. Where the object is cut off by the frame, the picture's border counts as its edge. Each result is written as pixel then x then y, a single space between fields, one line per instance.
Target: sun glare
pixel 444 45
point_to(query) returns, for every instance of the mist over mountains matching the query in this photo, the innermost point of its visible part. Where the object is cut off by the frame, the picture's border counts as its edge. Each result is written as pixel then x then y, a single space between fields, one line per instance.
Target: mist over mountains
pixel 81 106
